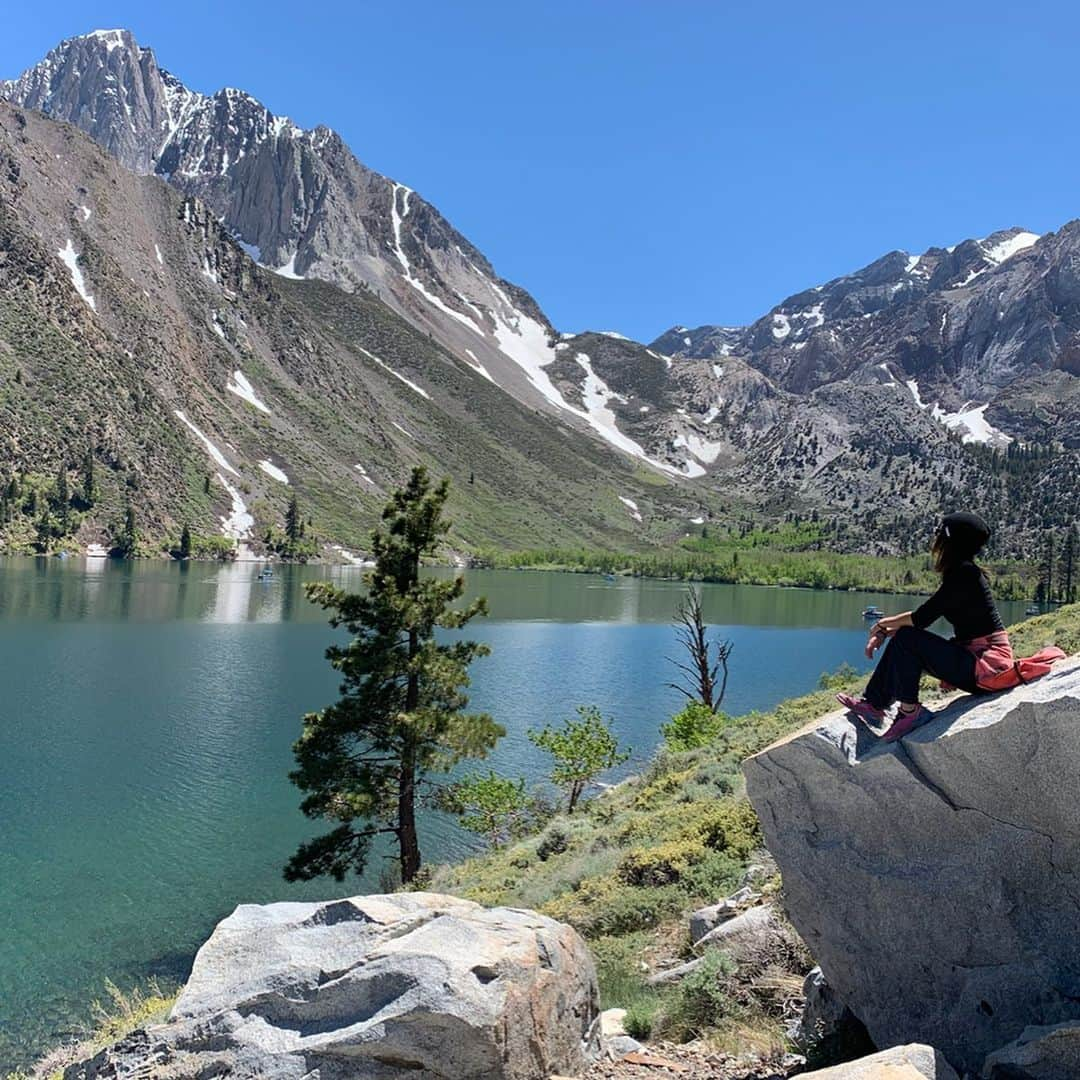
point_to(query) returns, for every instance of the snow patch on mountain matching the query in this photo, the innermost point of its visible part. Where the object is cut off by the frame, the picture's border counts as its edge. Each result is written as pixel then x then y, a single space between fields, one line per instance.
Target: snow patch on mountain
pixel 1006 249
pixel 969 422
pixel 703 449
pixel 238 523
pixel 632 506
pixel 595 395
pixel 210 448
pixel 111 39
pixel 396 219
pixel 242 388
pixel 157 252
pixel 397 375
pixel 996 254
pixel 475 363
pixel 273 471
pixel 288 269
pixel 70 258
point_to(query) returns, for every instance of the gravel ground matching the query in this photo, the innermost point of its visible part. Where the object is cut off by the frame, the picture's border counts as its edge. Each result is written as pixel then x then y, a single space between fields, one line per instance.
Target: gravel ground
pixel 690 1062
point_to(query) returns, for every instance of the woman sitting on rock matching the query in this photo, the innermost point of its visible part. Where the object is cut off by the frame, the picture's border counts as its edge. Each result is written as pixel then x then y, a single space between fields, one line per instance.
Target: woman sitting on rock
pixel 980 642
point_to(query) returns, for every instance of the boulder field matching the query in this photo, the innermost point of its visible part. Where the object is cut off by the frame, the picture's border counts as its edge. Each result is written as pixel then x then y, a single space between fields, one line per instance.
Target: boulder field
pixel 413 984
pixel 937 880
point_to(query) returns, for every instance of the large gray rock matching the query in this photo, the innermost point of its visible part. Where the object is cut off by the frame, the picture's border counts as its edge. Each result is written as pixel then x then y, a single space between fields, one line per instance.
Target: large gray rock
pixel 1041 1053
pixel 416 984
pixel 914 1062
pixel 936 880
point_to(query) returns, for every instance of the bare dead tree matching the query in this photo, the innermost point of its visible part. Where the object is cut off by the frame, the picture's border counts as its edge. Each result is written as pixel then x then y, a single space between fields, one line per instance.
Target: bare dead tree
pixel 704 677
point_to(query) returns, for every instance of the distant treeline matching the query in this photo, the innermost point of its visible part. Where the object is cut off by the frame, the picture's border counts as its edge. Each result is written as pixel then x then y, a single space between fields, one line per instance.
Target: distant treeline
pixel 755 564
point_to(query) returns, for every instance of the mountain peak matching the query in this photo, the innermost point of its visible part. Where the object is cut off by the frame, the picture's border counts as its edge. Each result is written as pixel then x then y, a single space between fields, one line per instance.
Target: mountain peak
pixel 111 39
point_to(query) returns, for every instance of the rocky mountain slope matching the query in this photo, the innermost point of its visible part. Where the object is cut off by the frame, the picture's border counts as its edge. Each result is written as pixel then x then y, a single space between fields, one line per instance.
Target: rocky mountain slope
pixel 208 389
pixel 920 381
pixel 300 202
pixel 978 341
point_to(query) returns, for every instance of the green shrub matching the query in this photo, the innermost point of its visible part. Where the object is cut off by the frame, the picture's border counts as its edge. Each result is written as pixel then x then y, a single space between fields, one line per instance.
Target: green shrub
pixel 605 906
pixel 837 679
pixel 619 969
pixel 641 1017
pixel 661 865
pixel 703 999
pixel 695 726
pixel 732 827
pixel 718 874
pixel 554 842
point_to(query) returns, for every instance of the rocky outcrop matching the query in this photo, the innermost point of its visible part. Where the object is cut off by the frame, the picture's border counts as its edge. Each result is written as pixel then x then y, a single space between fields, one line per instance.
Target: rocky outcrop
pixel 1041 1053
pixel 705 920
pixel 417 984
pixel 937 880
pixel 914 1062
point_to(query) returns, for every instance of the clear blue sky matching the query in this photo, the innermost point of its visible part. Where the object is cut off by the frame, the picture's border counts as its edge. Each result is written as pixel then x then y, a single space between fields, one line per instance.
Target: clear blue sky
pixel 639 164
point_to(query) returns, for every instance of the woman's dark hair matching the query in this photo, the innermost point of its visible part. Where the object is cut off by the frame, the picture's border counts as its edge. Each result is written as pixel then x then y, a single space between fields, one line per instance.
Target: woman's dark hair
pixel 959 538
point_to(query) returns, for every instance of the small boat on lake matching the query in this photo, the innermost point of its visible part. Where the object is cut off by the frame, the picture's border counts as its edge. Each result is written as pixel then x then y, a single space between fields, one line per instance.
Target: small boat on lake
pixel 610 578
pixel 1033 609
pixel 872 612
pixel 266 574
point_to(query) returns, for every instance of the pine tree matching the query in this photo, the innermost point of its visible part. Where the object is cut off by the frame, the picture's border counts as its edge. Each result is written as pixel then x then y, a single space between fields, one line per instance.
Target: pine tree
pixel 294 524
pixel 62 501
pixel 185 543
pixel 401 715
pixel 89 483
pixel 1067 588
pixel 1046 581
pixel 127 542
pixel 44 531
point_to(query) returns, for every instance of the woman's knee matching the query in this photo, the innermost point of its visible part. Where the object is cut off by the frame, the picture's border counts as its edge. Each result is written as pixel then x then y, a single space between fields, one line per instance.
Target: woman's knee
pixel 905 635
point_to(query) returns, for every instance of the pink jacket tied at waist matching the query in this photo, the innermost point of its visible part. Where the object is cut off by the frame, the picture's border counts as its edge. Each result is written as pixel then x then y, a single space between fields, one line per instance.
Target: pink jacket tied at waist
pixel 997 669
pixel 993 654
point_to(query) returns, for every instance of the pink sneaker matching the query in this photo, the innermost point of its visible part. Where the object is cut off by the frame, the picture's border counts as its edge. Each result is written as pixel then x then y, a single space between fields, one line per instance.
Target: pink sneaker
pixel 861 708
pixel 905 723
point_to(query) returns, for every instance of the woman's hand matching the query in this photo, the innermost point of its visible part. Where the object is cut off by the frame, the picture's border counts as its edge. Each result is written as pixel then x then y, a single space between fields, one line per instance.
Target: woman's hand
pixel 885 628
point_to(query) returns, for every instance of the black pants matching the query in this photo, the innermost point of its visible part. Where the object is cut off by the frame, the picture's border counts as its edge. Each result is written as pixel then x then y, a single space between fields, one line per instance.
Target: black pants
pixel 908 654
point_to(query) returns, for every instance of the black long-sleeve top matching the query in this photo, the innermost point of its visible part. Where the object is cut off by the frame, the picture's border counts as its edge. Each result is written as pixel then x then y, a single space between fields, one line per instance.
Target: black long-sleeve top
pixel 964 599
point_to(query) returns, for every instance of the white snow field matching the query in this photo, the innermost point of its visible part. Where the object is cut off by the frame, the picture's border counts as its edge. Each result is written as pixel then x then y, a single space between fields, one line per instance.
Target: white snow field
pixel 241 386
pixel 70 258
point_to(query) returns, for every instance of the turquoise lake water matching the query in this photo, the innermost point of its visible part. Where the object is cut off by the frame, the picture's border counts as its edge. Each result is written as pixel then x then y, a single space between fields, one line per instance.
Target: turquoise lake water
pixel 148 715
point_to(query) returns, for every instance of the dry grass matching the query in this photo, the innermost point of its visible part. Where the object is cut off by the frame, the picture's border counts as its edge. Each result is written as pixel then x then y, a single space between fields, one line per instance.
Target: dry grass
pixel 121 1013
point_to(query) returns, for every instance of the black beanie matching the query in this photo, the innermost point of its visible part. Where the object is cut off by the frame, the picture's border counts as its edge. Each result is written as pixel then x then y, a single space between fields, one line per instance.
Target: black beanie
pixel 967 532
